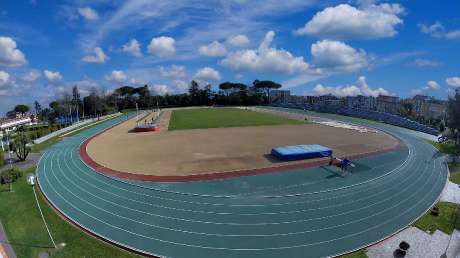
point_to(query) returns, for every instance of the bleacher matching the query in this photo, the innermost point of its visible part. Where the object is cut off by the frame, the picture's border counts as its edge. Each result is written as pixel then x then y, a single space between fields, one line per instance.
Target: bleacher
pixel 366 114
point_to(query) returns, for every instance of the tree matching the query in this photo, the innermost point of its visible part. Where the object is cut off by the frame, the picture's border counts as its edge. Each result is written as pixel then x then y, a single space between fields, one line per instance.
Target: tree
pixel 76 101
pixel 453 120
pixel 266 86
pixel 38 108
pixel 22 109
pixel 226 87
pixel 20 144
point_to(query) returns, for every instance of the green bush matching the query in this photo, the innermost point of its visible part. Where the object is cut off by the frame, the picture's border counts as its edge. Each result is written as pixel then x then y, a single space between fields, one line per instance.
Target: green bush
pixel 10 176
pixel 2 159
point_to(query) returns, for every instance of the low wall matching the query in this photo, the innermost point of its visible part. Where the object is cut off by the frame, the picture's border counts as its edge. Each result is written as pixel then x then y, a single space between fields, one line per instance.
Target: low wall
pixel 70 128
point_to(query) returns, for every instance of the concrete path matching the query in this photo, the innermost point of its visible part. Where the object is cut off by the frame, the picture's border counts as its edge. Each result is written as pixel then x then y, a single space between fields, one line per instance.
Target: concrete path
pixel 6 250
pixel 451 193
pixel 32 160
pixel 421 243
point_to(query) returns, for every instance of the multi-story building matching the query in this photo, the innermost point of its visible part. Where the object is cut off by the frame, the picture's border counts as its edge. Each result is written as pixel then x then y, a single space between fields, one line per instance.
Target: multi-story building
pixel 361 102
pixel 280 95
pixel 429 107
pixel 388 104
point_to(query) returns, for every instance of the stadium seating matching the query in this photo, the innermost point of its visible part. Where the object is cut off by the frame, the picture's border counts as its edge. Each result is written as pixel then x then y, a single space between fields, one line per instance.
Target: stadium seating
pixel 365 114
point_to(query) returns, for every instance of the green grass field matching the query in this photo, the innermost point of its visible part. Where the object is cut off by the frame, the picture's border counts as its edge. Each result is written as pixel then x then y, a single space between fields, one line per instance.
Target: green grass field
pixel 447 221
pixel 223 117
pixel 27 234
pixel 454 169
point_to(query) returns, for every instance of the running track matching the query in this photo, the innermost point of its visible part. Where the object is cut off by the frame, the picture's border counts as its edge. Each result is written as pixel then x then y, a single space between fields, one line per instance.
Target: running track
pixel 312 212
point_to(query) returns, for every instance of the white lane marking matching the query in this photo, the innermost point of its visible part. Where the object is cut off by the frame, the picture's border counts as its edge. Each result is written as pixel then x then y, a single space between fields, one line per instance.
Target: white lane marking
pixel 221 235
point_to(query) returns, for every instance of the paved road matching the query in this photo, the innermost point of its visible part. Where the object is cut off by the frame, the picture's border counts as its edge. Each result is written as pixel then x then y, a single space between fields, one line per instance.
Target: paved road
pixel 300 213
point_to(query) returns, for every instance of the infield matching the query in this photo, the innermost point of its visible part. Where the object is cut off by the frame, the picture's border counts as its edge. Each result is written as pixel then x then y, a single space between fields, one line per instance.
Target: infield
pixel 224 117
pixel 217 150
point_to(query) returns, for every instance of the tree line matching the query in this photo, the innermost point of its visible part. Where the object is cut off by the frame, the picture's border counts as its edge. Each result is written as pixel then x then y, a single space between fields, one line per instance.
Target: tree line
pixel 99 103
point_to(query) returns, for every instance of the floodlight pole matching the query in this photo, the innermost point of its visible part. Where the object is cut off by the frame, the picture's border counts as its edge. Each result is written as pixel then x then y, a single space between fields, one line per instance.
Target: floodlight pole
pixel 43 218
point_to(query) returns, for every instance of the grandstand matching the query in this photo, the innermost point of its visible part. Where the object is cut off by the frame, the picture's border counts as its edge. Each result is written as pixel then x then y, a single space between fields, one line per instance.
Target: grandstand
pixel 366 114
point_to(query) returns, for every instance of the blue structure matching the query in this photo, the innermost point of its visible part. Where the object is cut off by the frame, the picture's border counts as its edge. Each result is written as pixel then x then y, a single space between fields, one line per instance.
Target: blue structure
pixel 383 117
pixel 298 152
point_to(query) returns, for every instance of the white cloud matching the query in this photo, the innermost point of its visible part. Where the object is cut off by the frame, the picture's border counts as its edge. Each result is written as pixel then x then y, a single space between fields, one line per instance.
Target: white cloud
pixel 4 78
pixel 238 40
pixel 362 88
pixel 437 30
pixel 342 22
pixel 453 82
pixel 52 77
pixel 160 89
pixel 265 59
pixel 99 57
pixel 174 71
pixel 430 86
pixel 162 46
pixel 88 13
pixel 214 49
pixel 10 56
pixel 116 77
pixel 132 47
pixel 31 76
pixel 208 74
pixel 338 56
pixel 420 62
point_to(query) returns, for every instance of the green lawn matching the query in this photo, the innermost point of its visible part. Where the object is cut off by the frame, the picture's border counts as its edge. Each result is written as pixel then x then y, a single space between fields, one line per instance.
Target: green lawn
pixel 26 232
pixel 41 146
pixel 447 220
pixel 223 117
pixel 446 148
pixel 454 169
pixel 358 254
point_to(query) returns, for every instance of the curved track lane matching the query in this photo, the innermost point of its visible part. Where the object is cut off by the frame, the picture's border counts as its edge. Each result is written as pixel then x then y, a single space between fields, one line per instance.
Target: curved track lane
pixel 312 212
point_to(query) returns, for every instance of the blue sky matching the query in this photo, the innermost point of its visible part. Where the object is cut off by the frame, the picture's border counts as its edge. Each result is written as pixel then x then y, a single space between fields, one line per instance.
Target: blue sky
pixel 311 47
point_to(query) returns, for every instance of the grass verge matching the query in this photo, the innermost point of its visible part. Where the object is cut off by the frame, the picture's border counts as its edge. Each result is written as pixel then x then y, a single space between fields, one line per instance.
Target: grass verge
pixel 358 254
pixel 447 220
pixel 454 169
pixel 27 234
pixel 223 117
pixel 446 148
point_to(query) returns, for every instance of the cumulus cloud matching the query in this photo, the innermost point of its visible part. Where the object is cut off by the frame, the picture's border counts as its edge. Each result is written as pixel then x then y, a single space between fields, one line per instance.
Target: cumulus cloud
pixel 343 22
pixel 361 88
pixel 238 40
pixel 420 62
pixel 437 30
pixel 4 78
pixel 214 49
pixel 52 77
pixel 99 57
pixel 116 77
pixel 430 86
pixel 162 46
pixel 159 89
pixel 88 13
pixel 174 71
pixel 207 74
pixel 31 76
pixel 265 59
pixel 453 82
pixel 338 56
pixel 132 47
pixel 10 55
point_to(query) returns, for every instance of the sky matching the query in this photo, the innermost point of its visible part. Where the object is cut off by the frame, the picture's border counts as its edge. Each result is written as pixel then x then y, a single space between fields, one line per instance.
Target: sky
pixel 344 48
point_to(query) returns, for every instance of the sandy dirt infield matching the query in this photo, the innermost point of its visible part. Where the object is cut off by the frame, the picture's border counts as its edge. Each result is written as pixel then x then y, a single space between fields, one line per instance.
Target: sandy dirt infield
pixel 204 151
